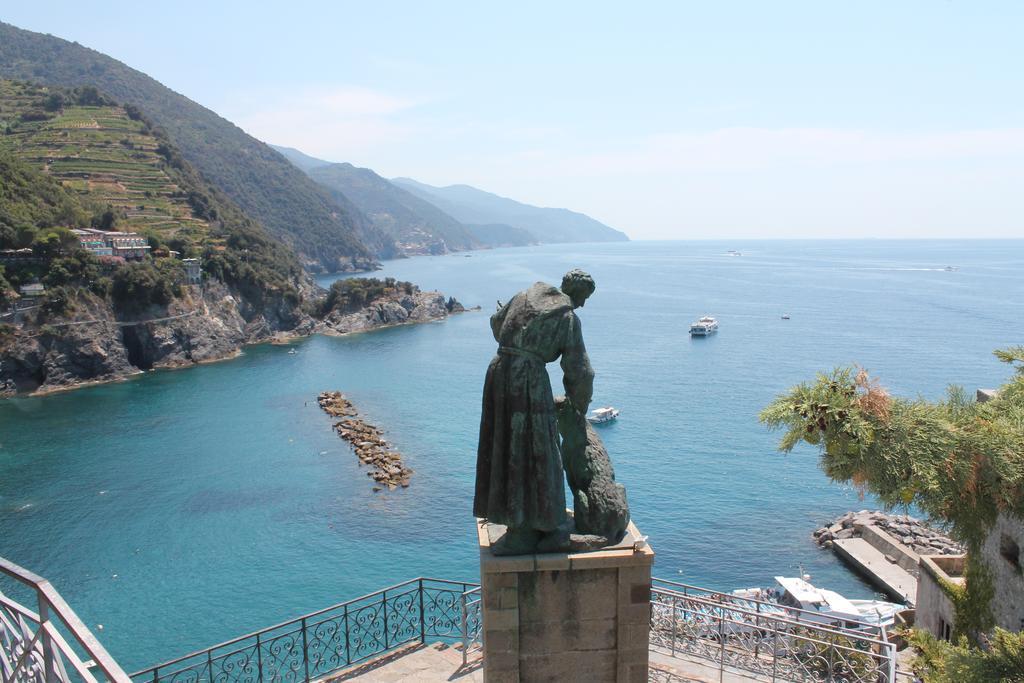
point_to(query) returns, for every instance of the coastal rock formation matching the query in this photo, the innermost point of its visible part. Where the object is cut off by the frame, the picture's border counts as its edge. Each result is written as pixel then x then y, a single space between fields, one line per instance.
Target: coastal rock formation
pixel 389 310
pixel 367 442
pixel 92 343
pixel 911 532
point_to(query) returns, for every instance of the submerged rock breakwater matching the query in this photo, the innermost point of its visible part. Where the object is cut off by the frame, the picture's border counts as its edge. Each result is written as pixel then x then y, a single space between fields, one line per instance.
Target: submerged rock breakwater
pixel 367 442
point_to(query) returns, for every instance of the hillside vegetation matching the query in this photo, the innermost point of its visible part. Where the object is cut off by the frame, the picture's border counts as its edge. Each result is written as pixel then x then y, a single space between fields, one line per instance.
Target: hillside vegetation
pixel 266 186
pixel 417 226
pixel 476 207
pixel 99 151
pixel 74 158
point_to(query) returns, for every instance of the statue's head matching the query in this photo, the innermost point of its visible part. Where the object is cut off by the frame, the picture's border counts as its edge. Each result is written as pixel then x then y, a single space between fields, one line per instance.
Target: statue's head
pixel 578 285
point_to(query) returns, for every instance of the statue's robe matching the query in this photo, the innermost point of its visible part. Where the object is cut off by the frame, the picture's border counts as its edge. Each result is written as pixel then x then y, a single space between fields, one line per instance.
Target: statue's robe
pixel 519 479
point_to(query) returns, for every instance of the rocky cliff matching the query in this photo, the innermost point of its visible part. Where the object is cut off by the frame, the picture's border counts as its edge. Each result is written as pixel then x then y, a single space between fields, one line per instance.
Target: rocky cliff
pixel 93 343
pixel 390 310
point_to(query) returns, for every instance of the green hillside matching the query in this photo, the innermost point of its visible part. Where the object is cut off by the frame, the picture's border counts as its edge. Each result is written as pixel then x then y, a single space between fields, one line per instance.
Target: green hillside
pixel 31 202
pixel 101 153
pixel 258 179
pixel 74 158
pixel 417 226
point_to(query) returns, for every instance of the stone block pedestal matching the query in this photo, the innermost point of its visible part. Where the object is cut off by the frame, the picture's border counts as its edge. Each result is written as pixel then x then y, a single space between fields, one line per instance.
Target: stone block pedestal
pixel 566 616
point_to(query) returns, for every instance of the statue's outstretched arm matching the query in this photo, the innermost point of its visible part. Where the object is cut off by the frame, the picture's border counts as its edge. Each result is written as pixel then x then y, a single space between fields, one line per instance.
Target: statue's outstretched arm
pixel 577 375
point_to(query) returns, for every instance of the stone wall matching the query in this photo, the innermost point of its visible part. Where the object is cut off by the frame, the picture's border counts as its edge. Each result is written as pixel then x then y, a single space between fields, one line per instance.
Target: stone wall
pixel 934 609
pixel 566 616
pixel 1004 554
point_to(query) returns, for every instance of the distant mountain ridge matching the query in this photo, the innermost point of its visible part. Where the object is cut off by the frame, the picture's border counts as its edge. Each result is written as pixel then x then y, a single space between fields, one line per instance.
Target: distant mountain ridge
pixel 415 225
pixel 300 159
pixel 473 206
pixel 327 233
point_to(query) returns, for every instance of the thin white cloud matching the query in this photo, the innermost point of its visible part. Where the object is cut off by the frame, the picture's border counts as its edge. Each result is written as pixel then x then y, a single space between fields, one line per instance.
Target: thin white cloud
pixel 325 120
pixel 751 149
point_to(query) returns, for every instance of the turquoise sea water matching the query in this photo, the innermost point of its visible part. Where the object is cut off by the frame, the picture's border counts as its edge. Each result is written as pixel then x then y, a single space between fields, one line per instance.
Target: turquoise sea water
pixel 183 508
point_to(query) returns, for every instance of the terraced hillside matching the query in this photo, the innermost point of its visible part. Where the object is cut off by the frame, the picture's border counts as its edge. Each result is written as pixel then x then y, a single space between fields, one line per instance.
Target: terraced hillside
pixel 327 234
pixel 104 154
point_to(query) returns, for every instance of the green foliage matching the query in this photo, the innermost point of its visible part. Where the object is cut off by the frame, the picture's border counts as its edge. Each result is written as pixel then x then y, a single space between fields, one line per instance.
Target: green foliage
pixel 351 294
pixel 137 285
pixel 939 661
pixel 195 218
pixel 79 267
pixel 57 301
pixel 255 177
pixel 31 201
pixel 958 460
pixel 5 287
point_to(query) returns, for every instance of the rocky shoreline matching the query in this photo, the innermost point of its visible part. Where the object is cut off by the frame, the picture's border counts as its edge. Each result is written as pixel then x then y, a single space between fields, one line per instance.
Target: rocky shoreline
pixel 909 531
pixel 390 311
pixel 367 442
pixel 92 345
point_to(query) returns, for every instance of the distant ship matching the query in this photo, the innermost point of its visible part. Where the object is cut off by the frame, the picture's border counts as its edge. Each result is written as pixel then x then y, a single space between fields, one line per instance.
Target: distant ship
pixel 703 327
pixel 733 252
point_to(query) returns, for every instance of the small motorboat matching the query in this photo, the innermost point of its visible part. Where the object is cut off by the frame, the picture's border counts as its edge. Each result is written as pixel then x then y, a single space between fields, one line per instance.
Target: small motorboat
pixel 824 606
pixel 292 352
pixel 785 316
pixel 602 415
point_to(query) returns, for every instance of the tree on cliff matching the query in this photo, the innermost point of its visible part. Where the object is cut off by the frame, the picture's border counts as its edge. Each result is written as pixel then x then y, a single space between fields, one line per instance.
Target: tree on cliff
pixel 958 460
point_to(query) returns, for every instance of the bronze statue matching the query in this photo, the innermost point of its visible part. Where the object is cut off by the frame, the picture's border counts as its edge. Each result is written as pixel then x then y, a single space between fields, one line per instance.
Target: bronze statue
pixel 519 481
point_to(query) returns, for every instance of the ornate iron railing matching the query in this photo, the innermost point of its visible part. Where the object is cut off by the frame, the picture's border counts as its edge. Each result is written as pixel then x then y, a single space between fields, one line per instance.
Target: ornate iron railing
pixel 758 605
pixel 770 646
pixel 472 624
pixel 51 645
pixel 335 638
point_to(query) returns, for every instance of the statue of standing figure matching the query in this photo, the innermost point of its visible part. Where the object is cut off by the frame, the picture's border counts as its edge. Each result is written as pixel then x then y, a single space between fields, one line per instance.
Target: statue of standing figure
pixel 520 458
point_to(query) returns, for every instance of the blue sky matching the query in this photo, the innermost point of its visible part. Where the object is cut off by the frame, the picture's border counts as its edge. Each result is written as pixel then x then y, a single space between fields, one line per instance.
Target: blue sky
pixel 666 120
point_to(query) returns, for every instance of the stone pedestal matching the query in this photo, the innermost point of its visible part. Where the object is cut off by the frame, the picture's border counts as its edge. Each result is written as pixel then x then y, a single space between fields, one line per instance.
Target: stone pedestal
pixel 566 616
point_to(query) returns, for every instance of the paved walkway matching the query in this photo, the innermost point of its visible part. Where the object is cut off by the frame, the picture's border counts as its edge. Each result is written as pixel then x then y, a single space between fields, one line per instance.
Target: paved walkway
pixel 440 663
pixel 416 663
pixel 892 578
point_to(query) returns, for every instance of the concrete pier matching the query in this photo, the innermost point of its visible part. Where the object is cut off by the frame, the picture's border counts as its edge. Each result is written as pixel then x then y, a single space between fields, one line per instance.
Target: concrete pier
pixel 869 561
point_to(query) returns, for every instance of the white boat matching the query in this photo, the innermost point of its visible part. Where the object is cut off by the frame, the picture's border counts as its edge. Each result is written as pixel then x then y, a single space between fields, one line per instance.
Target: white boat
pixel 703 327
pixel 602 415
pixel 825 606
pixel 733 252
pixel 785 316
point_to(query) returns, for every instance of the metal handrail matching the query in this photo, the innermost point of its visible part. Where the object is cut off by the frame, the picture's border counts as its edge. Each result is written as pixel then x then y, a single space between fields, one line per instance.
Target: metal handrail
pixel 686 588
pixel 723 605
pixel 729 635
pixel 291 630
pixel 470 606
pixel 53 612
